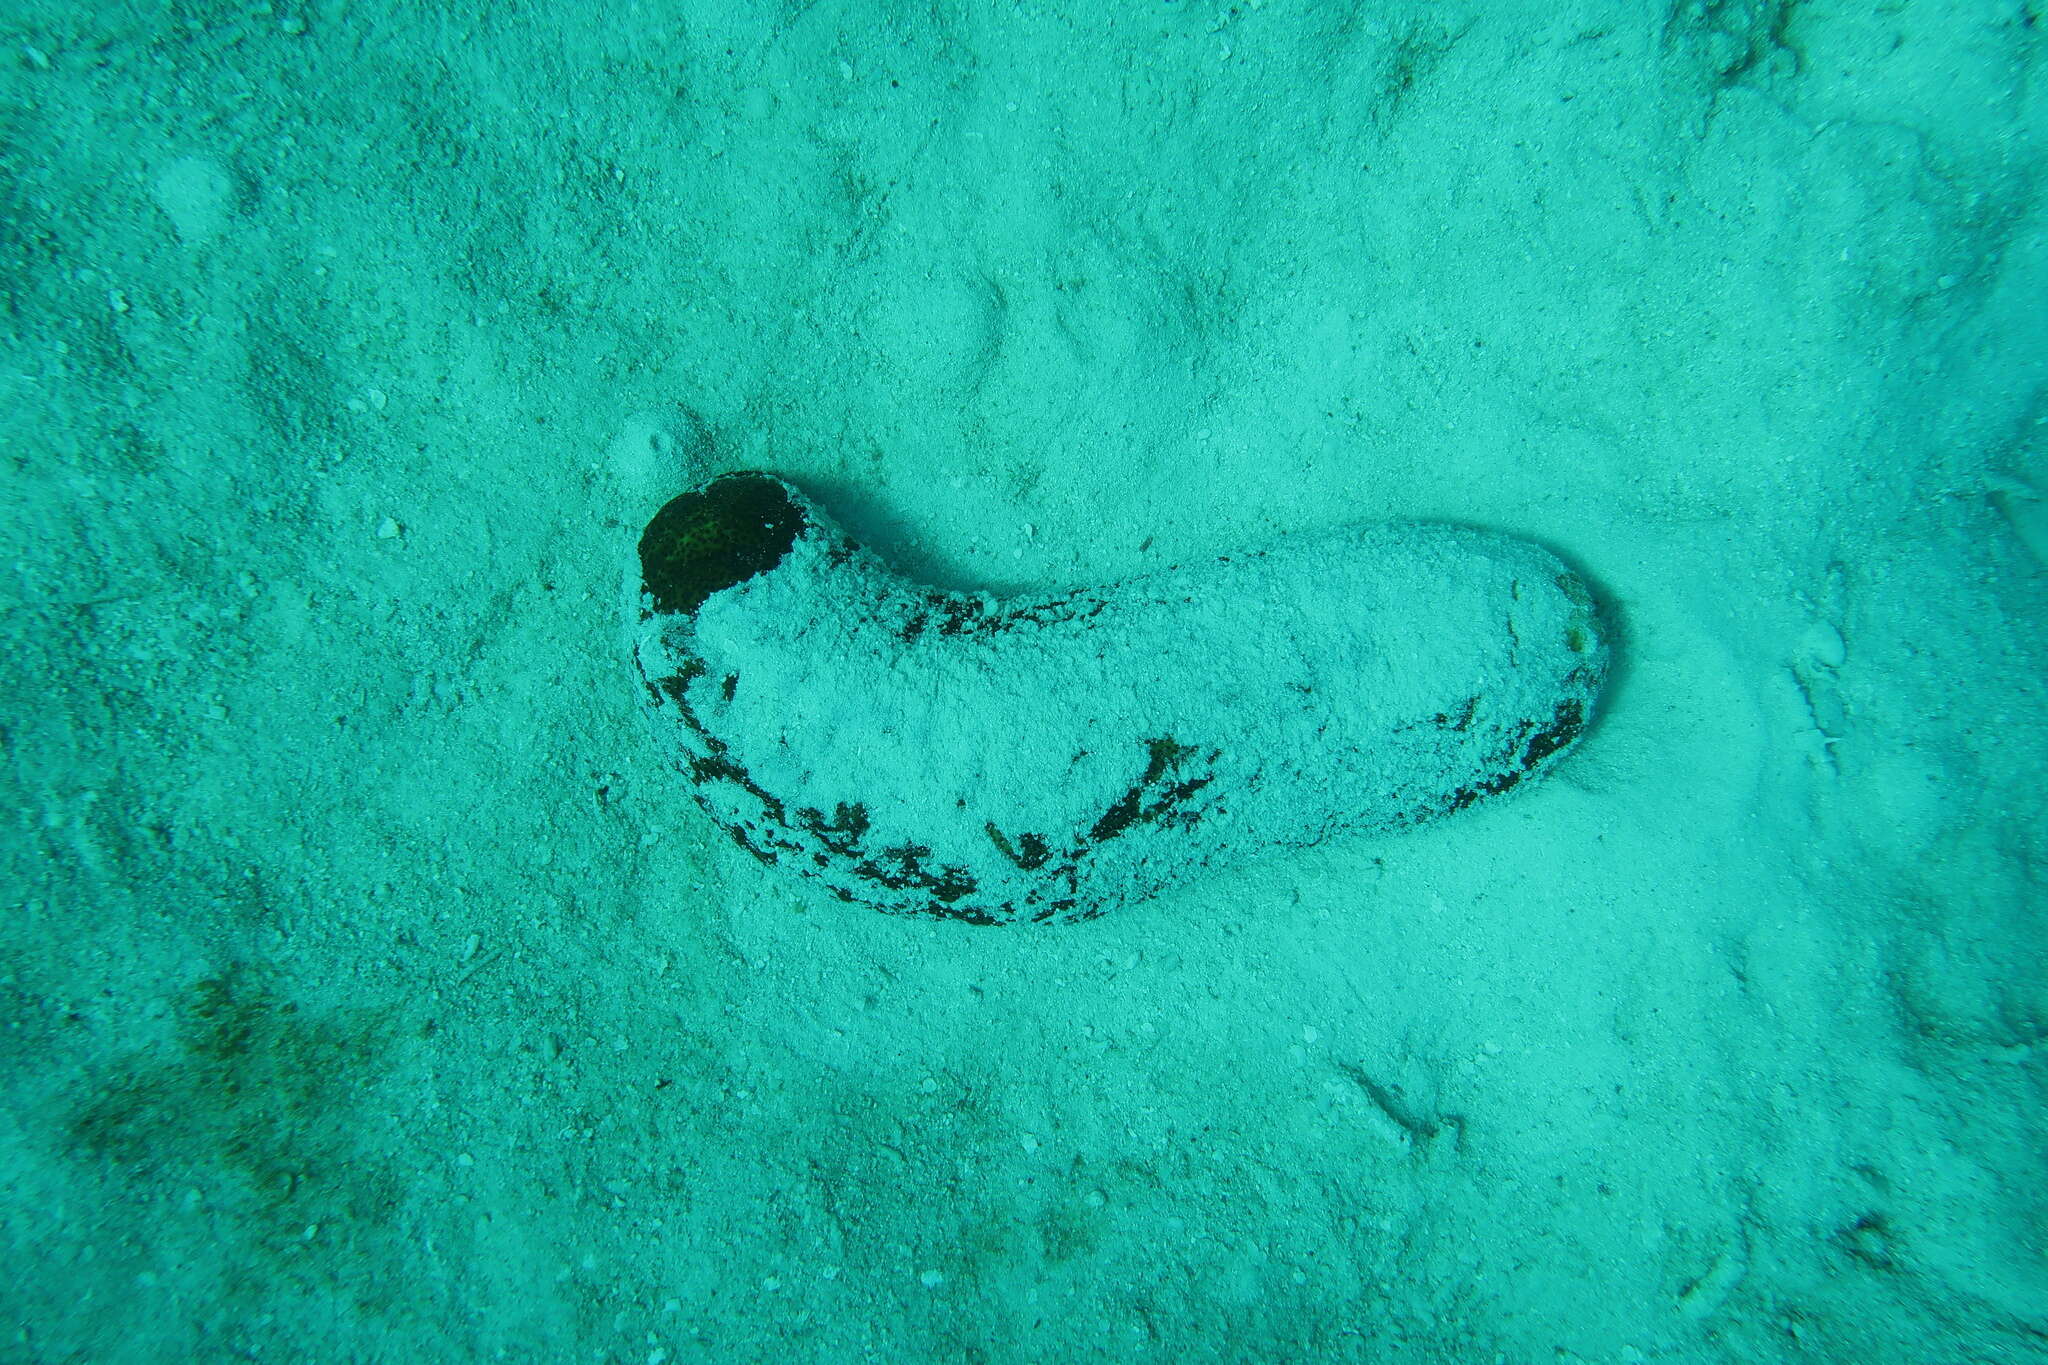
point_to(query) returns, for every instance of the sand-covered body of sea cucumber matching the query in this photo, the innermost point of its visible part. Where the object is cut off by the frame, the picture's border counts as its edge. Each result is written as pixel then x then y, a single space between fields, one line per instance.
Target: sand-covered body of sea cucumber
pixel 1053 756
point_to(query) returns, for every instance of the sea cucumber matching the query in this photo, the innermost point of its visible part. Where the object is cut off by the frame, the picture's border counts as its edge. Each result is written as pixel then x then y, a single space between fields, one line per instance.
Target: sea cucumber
pixel 1051 756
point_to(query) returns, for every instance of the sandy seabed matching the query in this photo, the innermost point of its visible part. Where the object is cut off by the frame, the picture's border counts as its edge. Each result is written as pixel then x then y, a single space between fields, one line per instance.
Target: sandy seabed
pixel 373 990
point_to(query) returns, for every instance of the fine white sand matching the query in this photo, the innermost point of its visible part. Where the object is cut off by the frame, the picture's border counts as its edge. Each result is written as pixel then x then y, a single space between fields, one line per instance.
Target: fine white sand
pixel 372 989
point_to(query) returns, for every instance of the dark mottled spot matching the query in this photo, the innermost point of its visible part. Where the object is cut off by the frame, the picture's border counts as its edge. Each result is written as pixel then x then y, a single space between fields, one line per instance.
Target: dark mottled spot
pixel 1029 851
pixel 1119 817
pixel 956 611
pixel 724 533
pixel 1564 727
pixel 740 837
pixel 1462 719
pixel 1163 756
pixel 1532 745
pixel 842 833
pixel 718 768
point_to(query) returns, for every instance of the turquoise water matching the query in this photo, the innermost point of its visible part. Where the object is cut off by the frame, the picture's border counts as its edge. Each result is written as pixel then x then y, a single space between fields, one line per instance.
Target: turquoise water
pixel 374 990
